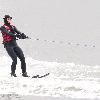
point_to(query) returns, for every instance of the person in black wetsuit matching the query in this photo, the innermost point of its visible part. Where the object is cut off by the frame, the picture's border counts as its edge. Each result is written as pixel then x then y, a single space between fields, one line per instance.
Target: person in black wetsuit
pixel 9 34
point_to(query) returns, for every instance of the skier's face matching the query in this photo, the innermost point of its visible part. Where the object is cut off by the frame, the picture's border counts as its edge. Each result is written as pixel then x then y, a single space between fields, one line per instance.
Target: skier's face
pixel 9 20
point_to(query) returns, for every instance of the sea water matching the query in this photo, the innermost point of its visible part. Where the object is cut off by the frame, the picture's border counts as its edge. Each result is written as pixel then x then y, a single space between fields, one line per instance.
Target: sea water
pixel 65 79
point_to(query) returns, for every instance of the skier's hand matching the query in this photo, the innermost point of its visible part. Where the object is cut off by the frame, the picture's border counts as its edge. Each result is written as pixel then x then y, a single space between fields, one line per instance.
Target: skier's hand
pixel 22 36
pixel 18 36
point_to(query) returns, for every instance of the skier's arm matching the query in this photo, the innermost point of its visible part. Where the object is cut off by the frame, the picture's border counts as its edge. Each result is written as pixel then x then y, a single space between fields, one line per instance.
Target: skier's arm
pixel 20 34
pixel 6 32
pixel 17 31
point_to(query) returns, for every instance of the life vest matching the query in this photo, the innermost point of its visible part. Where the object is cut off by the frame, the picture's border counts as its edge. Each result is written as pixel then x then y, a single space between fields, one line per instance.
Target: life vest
pixel 6 37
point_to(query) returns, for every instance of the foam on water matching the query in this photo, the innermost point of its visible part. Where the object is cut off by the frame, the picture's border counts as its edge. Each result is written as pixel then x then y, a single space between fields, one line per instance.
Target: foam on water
pixel 65 79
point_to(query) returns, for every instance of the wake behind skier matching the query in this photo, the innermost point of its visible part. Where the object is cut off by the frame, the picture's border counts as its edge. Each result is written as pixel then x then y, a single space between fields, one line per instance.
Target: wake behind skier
pixel 9 34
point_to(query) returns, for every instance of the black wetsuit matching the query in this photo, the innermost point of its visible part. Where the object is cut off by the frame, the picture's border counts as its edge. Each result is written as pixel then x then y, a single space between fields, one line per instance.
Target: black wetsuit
pixel 14 50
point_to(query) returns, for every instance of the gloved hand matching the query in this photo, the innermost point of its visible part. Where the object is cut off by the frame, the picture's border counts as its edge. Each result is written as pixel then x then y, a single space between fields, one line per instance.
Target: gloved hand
pixel 18 36
pixel 21 36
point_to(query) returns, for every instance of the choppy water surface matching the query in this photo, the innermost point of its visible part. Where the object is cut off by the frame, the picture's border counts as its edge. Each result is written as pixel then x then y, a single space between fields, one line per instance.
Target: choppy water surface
pixel 65 79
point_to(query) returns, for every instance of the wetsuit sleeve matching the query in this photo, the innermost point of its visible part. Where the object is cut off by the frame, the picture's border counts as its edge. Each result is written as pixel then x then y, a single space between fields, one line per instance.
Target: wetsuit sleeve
pixel 16 30
pixel 3 30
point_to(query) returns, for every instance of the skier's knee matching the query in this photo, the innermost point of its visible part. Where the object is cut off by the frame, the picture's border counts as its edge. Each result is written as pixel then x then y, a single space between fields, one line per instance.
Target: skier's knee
pixel 22 58
pixel 15 61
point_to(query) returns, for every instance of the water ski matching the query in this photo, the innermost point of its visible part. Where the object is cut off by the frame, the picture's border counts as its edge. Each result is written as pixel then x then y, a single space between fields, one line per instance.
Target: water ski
pixel 38 76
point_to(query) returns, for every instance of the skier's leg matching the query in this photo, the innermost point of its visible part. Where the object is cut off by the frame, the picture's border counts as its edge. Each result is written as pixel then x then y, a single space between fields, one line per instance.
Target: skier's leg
pixel 20 55
pixel 13 56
